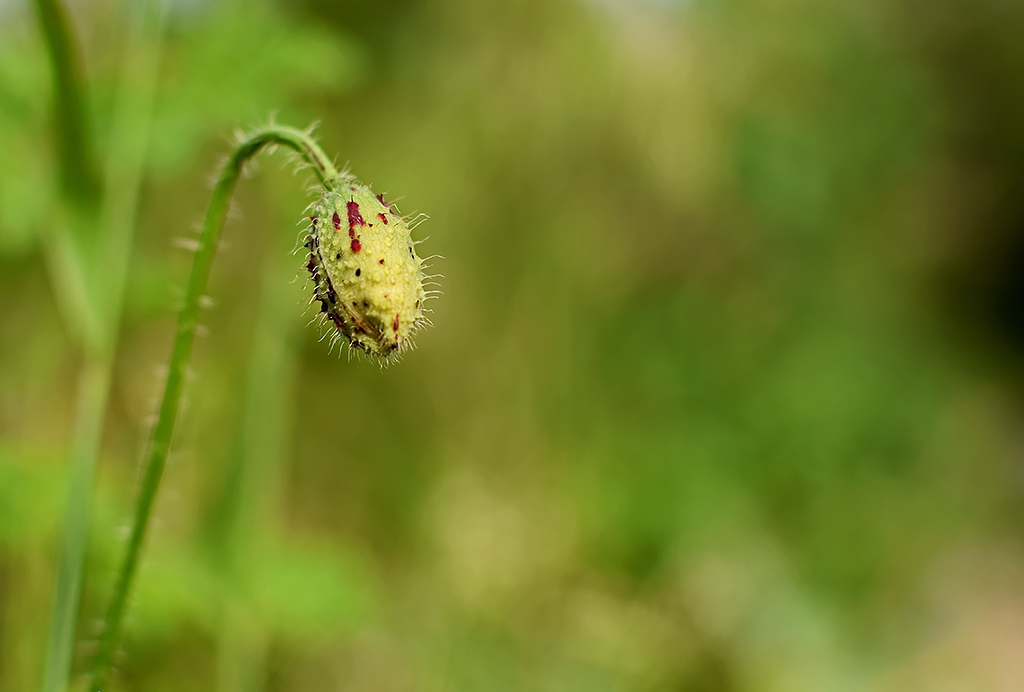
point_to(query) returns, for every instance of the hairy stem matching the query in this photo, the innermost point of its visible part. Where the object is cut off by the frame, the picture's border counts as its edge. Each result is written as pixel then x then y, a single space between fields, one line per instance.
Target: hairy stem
pixel 159 444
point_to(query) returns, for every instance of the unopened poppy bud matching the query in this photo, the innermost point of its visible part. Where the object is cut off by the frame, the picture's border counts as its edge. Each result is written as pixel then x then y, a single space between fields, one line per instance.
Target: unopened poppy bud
pixel 368 279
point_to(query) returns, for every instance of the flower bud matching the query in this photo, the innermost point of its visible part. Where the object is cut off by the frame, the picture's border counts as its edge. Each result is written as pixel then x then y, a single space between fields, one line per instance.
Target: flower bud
pixel 368 279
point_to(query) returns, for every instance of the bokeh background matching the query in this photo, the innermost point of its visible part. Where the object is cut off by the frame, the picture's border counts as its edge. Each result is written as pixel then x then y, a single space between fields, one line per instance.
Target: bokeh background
pixel 724 392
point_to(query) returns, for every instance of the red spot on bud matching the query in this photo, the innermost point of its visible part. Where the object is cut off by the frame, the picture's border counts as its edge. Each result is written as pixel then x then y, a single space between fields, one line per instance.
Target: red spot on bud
pixel 394 325
pixel 354 217
pixel 337 221
pixel 380 198
pixel 383 218
pixel 382 261
pixel 356 245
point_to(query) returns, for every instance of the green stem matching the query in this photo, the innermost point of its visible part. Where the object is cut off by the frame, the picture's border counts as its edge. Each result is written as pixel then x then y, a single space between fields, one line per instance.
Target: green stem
pixel 91 407
pixel 159 444
pixel 79 179
pixel 78 169
pixel 93 309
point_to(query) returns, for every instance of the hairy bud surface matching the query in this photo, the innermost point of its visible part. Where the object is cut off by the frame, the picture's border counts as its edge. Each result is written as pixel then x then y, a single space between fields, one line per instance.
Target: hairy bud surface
pixel 368 278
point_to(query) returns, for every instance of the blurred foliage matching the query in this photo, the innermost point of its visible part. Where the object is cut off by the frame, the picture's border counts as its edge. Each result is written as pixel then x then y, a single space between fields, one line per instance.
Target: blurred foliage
pixel 724 389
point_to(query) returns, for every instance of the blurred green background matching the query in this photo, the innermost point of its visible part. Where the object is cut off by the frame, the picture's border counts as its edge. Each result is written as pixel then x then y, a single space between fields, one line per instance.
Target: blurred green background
pixel 724 392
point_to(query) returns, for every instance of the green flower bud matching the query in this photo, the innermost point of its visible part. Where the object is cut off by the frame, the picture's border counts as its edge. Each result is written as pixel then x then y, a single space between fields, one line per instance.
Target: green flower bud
pixel 368 278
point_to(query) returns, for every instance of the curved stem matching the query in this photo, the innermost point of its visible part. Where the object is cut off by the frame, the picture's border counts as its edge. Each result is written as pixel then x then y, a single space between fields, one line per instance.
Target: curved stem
pixel 159 445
